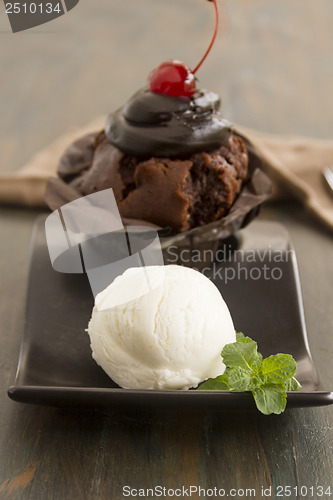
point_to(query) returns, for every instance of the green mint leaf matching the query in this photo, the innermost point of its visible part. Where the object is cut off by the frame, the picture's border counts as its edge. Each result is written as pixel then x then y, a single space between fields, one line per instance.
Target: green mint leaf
pixel 219 383
pixel 240 379
pixel 270 398
pixel 293 385
pixel 241 354
pixel 268 379
pixel 279 368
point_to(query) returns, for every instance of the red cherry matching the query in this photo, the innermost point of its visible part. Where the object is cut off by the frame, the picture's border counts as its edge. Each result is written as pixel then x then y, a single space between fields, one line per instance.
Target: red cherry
pixel 172 78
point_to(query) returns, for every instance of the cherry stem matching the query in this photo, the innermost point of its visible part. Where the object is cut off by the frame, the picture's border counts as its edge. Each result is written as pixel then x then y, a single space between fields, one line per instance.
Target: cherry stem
pixel 213 39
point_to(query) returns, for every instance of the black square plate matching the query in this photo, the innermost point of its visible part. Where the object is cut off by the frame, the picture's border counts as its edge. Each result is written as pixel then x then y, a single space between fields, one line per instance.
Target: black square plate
pixel 259 282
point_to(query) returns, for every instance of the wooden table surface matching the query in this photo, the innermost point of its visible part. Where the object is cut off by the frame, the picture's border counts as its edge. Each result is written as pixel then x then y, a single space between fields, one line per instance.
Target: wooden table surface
pixel 273 66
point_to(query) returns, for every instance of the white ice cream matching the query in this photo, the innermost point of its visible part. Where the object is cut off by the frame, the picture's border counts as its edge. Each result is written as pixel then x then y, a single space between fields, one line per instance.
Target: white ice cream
pixel 160 327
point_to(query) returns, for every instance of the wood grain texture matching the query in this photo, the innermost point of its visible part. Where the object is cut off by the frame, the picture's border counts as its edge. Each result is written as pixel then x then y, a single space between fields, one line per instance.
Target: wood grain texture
pixel 274 69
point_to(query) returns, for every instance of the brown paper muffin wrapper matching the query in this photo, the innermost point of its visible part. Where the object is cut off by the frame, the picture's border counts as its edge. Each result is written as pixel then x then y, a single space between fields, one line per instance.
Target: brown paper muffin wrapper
pixel 256 190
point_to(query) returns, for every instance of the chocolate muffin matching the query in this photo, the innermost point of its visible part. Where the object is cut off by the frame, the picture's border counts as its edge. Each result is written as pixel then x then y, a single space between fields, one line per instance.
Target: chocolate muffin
pixel 170 161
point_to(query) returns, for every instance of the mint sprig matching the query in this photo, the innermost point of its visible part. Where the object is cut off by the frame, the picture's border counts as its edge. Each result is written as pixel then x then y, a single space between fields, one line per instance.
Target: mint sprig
pixel 268 379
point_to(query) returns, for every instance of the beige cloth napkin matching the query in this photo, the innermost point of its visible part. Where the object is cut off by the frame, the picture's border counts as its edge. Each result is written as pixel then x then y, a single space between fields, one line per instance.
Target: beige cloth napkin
pixel 293 163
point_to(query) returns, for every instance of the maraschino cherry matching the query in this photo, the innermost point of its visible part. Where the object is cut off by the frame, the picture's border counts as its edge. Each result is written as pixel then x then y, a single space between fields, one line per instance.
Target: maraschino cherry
pixel 175 78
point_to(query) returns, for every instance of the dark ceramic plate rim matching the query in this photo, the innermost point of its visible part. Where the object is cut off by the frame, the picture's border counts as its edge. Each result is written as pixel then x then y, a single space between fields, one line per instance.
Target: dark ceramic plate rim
pixel 118 398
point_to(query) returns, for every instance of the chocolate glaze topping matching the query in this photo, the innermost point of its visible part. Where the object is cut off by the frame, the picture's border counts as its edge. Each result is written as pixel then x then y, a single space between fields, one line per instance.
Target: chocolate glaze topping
pixel 152 124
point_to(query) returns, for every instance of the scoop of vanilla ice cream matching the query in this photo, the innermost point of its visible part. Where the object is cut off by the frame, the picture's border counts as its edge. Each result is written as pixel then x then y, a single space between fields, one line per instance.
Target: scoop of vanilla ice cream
pixel 160 327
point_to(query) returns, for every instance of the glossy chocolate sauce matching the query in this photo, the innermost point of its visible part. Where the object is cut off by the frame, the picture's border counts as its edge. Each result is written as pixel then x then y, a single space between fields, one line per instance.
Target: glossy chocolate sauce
pixel 160 125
